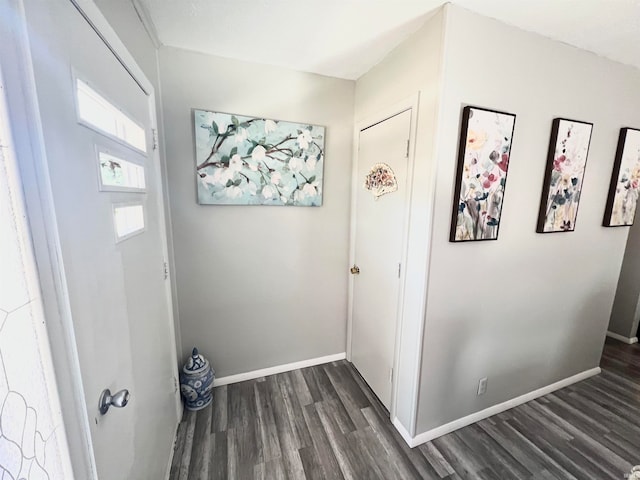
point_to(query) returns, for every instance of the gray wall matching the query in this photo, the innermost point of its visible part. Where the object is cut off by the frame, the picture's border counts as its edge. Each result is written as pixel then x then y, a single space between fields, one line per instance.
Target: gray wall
pixel 412 67
pixel 528 309
pixel 624 315
pixel 258 286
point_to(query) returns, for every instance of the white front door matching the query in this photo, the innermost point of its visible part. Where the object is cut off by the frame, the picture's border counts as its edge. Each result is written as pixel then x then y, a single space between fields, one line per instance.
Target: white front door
pixel 116 287
pixel 378 251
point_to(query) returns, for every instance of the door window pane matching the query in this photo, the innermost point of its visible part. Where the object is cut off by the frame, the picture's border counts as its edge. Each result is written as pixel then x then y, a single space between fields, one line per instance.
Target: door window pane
pixel 128 220
pixel 117 174
pixel 98 112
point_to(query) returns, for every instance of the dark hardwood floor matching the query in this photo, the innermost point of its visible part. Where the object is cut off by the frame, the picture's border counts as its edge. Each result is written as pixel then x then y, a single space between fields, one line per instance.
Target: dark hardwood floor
pixel 324 423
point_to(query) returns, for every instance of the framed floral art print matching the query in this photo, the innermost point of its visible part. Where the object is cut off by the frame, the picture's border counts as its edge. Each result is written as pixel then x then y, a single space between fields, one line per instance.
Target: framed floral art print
pixel 625 181
pixel 483 162
pixel 562 187
pixel 243 160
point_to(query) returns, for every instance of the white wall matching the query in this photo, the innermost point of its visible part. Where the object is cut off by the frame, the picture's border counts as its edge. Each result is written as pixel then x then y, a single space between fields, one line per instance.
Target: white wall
pixel 411 68
pixel 258 286
pixel 624 314
pixel 528 309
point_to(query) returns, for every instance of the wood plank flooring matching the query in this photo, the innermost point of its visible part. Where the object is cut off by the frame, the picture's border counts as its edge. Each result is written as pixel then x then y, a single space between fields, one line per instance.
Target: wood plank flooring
pixel 325 423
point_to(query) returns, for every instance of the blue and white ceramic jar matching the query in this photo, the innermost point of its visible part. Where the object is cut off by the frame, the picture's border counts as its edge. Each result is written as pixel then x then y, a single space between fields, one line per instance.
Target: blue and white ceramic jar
pixel 196 382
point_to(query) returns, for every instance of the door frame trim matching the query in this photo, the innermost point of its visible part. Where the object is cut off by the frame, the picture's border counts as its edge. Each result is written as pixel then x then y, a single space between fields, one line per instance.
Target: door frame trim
pixel 94 17
pixel 408 104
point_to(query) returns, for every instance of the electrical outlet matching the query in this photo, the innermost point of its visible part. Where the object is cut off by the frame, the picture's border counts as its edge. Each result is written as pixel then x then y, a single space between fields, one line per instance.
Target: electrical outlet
pixel 482 386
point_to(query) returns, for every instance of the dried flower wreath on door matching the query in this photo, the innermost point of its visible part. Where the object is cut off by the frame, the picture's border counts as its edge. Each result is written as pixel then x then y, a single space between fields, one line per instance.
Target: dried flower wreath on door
pixel 380 180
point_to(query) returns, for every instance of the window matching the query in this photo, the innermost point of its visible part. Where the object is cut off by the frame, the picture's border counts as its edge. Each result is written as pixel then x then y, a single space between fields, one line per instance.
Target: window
pixel 117 174
pixel 128 220
pixel 24 333
pixel 96 111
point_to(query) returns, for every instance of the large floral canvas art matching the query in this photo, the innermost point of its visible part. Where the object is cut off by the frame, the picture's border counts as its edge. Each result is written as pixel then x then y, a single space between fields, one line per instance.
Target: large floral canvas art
pixel 566 163
pixel 483 161
pixel 244 160
pixel 625 181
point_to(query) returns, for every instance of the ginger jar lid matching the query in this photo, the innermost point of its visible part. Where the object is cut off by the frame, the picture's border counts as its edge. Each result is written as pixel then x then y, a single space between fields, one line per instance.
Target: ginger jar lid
pixel 196 363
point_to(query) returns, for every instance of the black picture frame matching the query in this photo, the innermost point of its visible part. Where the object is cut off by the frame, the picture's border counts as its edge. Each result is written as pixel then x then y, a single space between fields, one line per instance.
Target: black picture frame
pixel 615 180
pixel 501 165
pixel 566 194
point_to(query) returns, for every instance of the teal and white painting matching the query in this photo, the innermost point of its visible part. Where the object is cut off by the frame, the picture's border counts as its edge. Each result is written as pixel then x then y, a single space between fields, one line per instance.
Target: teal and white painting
pixel 244 160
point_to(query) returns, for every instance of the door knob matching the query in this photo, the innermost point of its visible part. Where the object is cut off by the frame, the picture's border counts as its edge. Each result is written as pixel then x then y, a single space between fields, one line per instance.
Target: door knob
pixel 118 400
pixel 355 270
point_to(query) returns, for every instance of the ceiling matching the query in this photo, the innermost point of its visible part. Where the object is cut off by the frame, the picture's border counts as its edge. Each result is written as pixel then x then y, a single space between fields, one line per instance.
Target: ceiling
pixel 345 38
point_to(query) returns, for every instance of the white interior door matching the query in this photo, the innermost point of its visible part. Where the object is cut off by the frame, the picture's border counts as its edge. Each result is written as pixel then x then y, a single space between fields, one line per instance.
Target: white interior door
pixel 116 289
pixel 378 251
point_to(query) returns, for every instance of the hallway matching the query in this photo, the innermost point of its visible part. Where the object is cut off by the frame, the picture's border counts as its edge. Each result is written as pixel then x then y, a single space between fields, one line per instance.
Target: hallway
pixel 324 422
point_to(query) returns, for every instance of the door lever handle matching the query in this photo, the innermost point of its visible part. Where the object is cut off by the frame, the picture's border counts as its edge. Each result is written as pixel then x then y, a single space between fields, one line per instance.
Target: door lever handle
pixel 119 399
pixel 355 270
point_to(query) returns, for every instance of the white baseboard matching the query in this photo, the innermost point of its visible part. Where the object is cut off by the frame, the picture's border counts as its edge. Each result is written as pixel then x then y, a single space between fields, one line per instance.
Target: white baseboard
pixel 494 410
pixel 241 377
pixel 404 433
pixel 622 338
